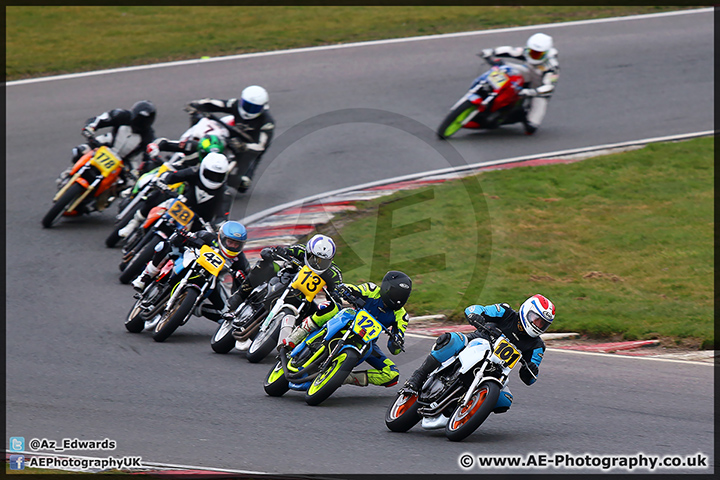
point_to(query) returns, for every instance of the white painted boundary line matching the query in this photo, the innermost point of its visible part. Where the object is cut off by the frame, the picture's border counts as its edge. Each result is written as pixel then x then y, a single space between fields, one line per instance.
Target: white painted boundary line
pixel 561 153
pixel 358 44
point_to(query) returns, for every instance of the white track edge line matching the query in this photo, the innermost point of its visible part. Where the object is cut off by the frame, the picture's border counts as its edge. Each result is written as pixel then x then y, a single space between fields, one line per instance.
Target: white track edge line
pixel 357 44
pixel 414 176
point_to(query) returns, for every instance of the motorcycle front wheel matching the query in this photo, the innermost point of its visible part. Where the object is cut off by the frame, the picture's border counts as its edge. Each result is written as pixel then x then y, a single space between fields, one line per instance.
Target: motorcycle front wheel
pixel 265 341
pixel 137 264
pixel 332 377
pixel 177 314
pixel 403 414
pixel 465 419
pixel 59 207
pixel 223 341
pixel 453 121
pixel 275 383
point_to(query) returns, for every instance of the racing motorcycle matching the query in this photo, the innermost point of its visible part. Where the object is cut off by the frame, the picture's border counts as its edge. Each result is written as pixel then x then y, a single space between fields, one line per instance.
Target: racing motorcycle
pixel 162 221
pixel 199 270
pixel 240 330
pixel 92 185
pixel 133 197
pixel 294 304
pixel 464 388
pixel 322 362
pixel 150 303
pixel 492 100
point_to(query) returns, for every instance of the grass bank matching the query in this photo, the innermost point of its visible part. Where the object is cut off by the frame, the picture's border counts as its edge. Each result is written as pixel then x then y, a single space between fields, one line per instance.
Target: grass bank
pixel 47 40
pixel 623 244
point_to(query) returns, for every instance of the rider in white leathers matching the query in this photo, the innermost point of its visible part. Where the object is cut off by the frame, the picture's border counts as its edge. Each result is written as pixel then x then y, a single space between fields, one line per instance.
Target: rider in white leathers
pixel 541 60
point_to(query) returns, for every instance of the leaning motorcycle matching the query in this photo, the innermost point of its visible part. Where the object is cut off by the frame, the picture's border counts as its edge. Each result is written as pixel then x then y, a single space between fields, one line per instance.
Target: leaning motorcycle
pixel 240 330
pixel 132 198
pixel 162 221
pixel 200 269
pixel 295 303
pixel 492 100
pixel 150 303
pixel 465 389
pixel 322 362
pixel 92 184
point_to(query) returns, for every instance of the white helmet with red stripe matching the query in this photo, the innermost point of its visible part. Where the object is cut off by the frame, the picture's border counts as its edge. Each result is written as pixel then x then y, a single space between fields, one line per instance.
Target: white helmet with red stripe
pixel 536 315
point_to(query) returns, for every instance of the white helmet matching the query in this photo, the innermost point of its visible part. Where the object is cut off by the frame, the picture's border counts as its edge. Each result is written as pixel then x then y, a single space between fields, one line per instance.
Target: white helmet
pixel 537 48
pixel 253 101
pixel 536 315
pixel 213 169
pixel 319 253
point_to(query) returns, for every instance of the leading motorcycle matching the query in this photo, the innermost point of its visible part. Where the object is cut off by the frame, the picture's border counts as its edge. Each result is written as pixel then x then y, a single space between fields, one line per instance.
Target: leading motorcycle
pixel 460 393
pixel 492 100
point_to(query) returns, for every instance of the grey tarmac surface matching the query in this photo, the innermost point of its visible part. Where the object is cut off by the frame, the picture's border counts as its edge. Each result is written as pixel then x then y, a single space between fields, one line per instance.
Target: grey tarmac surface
pixel 73 371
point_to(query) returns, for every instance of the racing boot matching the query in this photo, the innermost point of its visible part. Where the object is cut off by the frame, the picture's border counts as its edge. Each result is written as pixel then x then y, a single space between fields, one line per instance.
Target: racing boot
pixel 147 275
pixel 131 225
pixel 359 379
pixel 416 380
pixel 299 334
pixel 245 183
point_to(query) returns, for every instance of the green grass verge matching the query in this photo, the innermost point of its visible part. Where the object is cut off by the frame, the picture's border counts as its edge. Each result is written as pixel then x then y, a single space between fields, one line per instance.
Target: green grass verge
pixel 623 243
pixel 45 40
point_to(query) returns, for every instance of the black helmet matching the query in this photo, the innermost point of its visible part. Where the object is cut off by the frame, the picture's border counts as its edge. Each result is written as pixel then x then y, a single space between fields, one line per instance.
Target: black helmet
pixel 143 115
pixel 395 290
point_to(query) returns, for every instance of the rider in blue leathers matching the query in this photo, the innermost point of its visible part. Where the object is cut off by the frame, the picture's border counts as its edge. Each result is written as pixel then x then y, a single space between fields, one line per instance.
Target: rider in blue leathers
pixel 523 328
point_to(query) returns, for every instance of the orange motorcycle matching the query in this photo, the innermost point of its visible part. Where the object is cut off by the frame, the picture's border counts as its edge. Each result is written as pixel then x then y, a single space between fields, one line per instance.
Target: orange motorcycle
pixel 92 184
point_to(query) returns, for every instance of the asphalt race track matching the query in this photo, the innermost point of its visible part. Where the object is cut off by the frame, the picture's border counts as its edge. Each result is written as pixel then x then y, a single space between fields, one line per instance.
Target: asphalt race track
pixel 74 371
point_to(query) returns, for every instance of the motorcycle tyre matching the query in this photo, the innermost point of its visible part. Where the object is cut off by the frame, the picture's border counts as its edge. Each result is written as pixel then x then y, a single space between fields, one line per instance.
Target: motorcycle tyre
pixel 114 238
pixel 225 342
pixel 183 307
pixel 278 385
pixel 409 416
pixel 340 367
pixel 137 264
pixel 59 207
pixel 478 414
pixel 264 342
pixel 456 115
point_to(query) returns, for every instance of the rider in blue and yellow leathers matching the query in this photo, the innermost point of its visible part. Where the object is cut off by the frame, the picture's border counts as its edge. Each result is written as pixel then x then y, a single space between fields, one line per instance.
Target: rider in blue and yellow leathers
pixel 386 303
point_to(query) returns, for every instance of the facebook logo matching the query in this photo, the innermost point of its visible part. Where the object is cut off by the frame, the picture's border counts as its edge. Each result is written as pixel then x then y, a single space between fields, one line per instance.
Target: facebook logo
pixel 17 462
pixel 17 444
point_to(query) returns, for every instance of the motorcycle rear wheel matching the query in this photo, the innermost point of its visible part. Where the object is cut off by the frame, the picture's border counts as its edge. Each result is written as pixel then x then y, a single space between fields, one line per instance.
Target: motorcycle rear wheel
pixel 403 414
pixel 59 207
pixel 465 419
pixel 137 264
pixel 275 383
pixel 332 377
pixel 453 121
pixel 265 341
pixel 177 314
pixel 222 340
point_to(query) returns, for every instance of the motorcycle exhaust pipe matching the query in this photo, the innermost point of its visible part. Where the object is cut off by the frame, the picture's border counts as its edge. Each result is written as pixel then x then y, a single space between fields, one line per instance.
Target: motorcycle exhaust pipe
pixel 292 376
pixel 434 411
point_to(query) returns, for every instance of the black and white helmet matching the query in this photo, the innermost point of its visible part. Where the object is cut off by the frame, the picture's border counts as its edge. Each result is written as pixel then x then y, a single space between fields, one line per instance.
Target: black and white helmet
pixel 395 290
pixel 143 115
pixel 319 253
pixel 213 170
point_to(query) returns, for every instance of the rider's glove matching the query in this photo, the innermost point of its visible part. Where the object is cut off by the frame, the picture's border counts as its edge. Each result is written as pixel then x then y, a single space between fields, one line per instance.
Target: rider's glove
pixel 527 92
pixel 189 146
pixel 267 253
pixel 152 150
pixel 532 368
pixel 279 250
pixel 88 131
pixel 475 319
pixel 487 52
pixel 396 344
